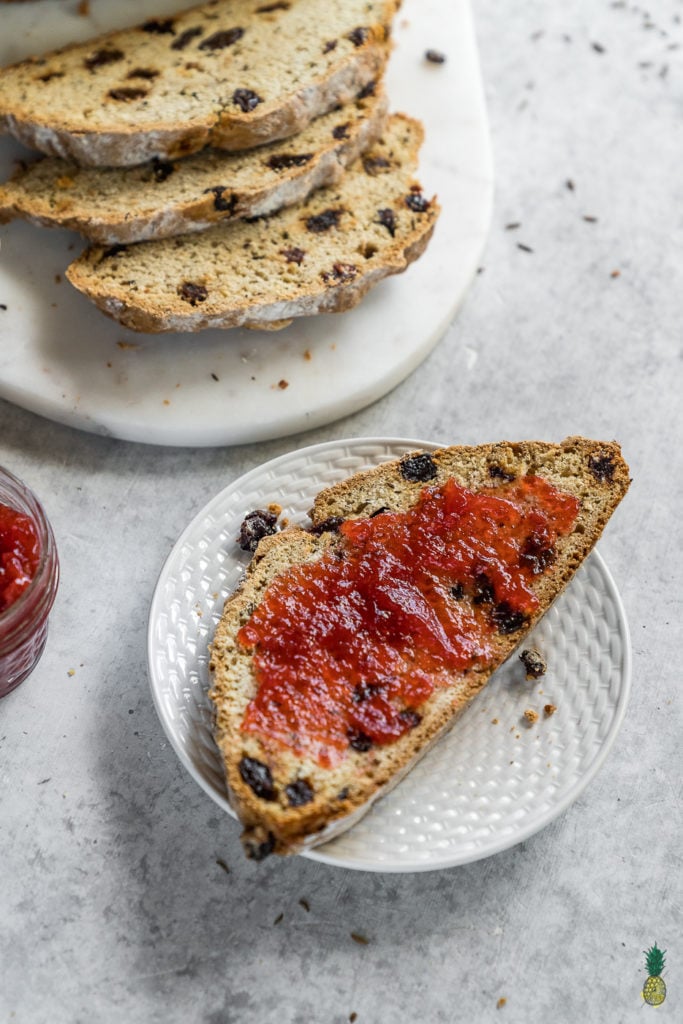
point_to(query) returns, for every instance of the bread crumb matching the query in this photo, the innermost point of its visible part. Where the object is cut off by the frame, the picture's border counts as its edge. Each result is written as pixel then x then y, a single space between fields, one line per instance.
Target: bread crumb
pixel 494 721
pixel 549 709
pixel 278 919
pixel 166 402
pixel 275 509
pixel 307 355
pixel 126 345
pixel 84 8
pixel 615 273
pixel 58 278
pixel 71 672
pixel 282 384
pixel 305 904
pixel 501 1003
pixel 360 939
pixel 353 1017
pixel 531 716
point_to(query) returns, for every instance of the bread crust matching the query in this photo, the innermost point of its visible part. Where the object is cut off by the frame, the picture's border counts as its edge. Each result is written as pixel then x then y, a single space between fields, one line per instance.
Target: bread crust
pixel 128 120
pixel 593 471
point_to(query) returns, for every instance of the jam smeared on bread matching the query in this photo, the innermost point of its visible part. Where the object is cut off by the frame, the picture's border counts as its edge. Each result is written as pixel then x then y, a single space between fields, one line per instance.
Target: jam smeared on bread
pixel 476 542
pixel 347 648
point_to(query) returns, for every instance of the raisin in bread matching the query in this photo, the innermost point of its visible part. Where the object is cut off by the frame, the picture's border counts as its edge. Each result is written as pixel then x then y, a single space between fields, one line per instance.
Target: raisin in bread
pixel 230 73
pixel 160 198
pixel 286 789
pixel 321 256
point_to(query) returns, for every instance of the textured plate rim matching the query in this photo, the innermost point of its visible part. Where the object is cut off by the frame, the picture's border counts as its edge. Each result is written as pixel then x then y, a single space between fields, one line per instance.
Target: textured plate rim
pixel 358 863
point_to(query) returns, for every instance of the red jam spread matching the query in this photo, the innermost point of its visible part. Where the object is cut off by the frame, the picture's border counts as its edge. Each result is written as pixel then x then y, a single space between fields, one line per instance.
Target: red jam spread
pixel 347 648
pixel 19 554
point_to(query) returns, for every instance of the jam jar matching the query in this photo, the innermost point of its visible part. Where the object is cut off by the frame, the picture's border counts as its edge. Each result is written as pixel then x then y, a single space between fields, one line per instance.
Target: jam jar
pixel 29 576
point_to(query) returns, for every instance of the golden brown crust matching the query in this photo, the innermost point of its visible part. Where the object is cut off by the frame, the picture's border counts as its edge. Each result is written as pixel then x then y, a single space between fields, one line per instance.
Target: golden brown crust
pixel 593 471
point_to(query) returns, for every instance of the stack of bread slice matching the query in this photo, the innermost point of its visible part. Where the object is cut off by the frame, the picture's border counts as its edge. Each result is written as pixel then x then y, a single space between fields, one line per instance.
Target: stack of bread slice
pixel 233 164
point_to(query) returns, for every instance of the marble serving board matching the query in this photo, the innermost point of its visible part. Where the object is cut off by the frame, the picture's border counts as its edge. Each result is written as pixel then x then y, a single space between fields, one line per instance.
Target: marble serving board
pixel 62 358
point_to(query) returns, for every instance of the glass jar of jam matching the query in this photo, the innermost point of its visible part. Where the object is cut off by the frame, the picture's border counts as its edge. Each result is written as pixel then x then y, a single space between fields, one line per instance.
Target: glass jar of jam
pixel 29 575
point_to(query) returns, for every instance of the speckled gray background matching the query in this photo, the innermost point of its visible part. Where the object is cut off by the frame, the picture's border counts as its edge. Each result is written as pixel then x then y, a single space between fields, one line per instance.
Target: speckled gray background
pixel 112 904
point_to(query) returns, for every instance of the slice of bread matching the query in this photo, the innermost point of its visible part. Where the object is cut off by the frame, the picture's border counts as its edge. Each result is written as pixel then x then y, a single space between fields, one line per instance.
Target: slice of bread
pixel 318 257
pixel 160 199
pixel 289 796
pixel 229 73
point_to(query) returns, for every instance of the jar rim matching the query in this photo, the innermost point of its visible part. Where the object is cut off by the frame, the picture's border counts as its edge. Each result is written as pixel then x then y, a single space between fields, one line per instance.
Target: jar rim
pixel 48 565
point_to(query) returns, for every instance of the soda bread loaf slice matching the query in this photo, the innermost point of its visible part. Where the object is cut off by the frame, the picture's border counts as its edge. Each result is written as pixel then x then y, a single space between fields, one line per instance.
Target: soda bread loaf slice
pixel 229 73
pixel 318 257
pixel 161 198
pixel 289 798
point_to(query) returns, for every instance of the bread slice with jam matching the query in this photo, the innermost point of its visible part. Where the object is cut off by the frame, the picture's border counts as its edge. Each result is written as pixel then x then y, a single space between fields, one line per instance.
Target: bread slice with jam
pixel 228 73
pixel 352 646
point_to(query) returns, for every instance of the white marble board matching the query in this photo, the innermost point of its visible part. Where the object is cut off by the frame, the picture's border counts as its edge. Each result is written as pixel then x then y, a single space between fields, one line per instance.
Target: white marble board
pixel 63 359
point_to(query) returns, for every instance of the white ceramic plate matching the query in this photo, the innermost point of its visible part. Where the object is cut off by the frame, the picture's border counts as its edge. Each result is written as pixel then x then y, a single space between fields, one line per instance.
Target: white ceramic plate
pixel 63 359
pixel 488 784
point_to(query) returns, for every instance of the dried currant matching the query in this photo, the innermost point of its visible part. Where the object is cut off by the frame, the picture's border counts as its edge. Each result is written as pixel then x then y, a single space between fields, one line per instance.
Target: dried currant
pixel 186 37
pixel 159 27
pixel 410 717
pixel 257 776
pixel 341 131
pixel 330 525
pixel 418 468
pixel 330 45
pixel 283 161
pixel 294 255
pixel 246 99
pixel 219 40
pixel 359 741
pixel 602 468
pixel 324 221
pixel 358 36
pixel 219 200
pixel 483 589
pixel 374 165
pixel 506 619
pixel 498 473
pixel 147 74
pixel 387 218
pixel 341 273
pixel 192 293
pixel 537 553
pixel 417 202
pixel 107 55
pixel 367 90
pixel 280 5
pixel 299 793
pixel 125 94
pixel 256 525
pixel 534 663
